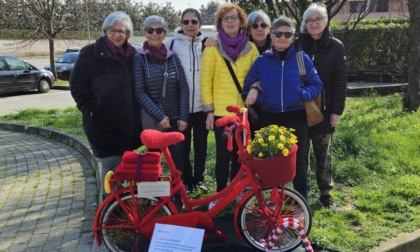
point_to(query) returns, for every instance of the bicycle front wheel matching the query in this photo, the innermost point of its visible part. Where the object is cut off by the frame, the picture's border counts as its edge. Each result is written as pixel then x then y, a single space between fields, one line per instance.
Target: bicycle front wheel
pixel 117 231
pixel 256 224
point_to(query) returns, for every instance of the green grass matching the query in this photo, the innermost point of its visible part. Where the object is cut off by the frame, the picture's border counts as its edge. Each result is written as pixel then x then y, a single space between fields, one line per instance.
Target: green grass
pixel 376 159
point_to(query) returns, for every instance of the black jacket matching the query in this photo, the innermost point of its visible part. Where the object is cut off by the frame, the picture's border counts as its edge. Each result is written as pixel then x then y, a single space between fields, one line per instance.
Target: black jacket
pixel 329 57
pixel 102 84
pixel 148 78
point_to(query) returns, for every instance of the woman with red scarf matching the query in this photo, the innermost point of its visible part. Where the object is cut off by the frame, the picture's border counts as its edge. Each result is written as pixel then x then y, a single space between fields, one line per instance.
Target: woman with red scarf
pixel 101 83
pixel 218 88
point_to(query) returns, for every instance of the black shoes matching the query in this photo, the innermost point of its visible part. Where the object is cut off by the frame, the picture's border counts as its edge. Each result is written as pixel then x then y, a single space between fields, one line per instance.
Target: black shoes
pixel 202 186
pixel 327 202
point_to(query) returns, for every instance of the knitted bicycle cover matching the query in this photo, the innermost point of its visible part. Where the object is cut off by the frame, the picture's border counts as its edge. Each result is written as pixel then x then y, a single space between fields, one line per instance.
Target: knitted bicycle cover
pixel 275 171
pixel 139 166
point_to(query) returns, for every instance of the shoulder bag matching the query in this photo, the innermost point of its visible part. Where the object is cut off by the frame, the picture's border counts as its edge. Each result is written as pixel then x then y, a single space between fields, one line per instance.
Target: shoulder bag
pixel 312 107
pixel 253 116
pixel 147 121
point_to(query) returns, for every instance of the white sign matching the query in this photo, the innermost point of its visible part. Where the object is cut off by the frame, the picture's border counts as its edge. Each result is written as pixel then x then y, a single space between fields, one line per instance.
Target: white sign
pixel 153 189
pixel 170 238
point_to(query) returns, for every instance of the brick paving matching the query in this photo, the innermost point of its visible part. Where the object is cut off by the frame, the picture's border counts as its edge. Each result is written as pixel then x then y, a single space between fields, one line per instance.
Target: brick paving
pixel 48 194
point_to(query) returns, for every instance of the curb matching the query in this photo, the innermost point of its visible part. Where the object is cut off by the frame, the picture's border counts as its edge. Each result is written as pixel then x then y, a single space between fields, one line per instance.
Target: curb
pixel 405 242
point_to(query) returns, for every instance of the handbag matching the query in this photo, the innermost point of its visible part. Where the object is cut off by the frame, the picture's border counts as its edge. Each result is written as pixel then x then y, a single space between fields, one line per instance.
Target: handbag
pixel 253 115
pixel 147 121
pixel 312 107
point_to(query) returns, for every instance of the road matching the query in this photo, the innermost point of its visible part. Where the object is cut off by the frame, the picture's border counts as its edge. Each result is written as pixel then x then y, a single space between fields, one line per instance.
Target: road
pixel 54 99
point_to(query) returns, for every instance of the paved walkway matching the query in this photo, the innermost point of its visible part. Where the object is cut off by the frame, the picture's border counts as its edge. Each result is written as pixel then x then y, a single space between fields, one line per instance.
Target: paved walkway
pixel 47 192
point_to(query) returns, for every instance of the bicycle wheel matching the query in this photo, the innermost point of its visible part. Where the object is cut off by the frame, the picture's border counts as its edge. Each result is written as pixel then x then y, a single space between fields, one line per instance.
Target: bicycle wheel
pixel 256 224
pixel 117 232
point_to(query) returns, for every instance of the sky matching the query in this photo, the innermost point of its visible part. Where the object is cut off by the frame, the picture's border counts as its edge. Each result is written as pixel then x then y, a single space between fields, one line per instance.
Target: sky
pixel 182 4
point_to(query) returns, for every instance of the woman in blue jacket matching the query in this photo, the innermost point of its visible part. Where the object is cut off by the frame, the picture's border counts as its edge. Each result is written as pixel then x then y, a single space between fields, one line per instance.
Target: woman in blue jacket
pixel 274 85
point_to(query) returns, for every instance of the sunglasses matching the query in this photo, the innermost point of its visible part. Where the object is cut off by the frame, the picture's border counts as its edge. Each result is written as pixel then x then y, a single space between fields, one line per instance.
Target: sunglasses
pixel 255 26
pixel 193 22
pixel 279 34
pixel 151 30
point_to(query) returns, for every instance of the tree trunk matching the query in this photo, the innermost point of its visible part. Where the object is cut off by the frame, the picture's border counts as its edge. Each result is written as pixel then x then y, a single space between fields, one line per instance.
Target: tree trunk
pixel 52 59
pixel 411 98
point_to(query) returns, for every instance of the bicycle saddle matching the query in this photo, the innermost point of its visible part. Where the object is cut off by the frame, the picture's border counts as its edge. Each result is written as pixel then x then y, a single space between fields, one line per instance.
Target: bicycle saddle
pixel 154 139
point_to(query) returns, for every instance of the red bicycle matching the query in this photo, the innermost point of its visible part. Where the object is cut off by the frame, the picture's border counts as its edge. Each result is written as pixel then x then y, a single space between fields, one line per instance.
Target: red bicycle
pixel 125 220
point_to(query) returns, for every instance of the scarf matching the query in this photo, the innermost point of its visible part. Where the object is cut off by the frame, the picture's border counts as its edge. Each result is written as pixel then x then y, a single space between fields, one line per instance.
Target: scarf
pixel 233 46
pixel 158 53
pixel 123 52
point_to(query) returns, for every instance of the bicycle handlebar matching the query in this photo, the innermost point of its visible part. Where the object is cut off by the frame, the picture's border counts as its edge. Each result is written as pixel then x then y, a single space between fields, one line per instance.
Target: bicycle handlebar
pixel 227 120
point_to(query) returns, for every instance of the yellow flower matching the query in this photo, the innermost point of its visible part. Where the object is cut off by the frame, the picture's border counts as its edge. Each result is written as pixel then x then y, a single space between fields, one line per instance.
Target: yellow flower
pixel 271 141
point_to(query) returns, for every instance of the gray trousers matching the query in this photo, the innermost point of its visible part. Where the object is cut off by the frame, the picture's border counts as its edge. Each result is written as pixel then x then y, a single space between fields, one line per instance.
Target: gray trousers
pixel 322 146
pixel 107 164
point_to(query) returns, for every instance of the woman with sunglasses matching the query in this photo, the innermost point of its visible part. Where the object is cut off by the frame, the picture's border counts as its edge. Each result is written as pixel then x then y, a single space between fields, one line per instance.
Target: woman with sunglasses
pixel 187 45
pixel 258 30
pixel 274 85
pixel 103 89
pixel 329 57
pixel 218 88
pixel 160 85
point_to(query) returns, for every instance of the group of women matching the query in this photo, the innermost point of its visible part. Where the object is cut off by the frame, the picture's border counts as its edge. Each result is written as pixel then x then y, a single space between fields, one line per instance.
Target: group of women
pixel 184 84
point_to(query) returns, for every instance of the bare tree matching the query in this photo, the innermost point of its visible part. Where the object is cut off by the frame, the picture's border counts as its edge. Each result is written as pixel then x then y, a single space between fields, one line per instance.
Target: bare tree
pixel 411 98
pixel 52 18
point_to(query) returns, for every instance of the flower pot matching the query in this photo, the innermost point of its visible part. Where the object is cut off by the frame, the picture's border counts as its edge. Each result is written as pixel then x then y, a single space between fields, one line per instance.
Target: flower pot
pixel 277 170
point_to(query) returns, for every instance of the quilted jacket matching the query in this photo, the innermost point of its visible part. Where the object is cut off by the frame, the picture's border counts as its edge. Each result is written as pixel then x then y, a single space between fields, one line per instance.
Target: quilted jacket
pixel 148 82
pixel 189 51
pixel 329 57
pixel 280 82
pixel 218 89
pixel 102 84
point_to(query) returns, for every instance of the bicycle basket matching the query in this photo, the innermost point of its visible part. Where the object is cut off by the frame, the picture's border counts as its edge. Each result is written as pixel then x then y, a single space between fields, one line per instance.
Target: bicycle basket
pixel 275 171
pixel 139 166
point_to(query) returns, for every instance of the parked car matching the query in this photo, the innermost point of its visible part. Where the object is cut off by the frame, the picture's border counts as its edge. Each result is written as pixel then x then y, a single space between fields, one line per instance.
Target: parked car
pixel 18 75
pixel 64 64
pixel 74 49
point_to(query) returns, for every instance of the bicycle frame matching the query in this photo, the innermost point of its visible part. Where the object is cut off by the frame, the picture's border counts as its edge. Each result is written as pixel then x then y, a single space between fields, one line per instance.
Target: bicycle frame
pixel 245 181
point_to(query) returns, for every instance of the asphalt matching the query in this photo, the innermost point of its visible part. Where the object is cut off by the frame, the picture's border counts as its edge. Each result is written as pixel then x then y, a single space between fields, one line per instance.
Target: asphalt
pixel 48 195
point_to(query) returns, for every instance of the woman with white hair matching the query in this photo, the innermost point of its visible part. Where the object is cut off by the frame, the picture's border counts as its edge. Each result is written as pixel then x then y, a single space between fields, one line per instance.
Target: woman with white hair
pixel 102 87
pixel 258 29
pixel 329 57
pixel 160 85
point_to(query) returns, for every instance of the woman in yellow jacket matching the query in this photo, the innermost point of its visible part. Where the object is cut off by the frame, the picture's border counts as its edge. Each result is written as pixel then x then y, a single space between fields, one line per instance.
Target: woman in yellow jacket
pixel 218 88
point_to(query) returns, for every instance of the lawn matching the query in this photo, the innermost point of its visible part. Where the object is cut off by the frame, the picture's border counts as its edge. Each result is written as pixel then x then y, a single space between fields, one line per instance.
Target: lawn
pixel 376 160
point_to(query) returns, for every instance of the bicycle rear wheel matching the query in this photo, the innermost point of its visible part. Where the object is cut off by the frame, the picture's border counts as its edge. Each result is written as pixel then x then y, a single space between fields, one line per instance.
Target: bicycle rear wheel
pixel 256 224
pixel 117 231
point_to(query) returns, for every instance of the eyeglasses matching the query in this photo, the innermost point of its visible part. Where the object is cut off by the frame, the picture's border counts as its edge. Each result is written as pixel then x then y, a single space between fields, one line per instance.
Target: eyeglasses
pixel 113 32
pixel 279 34
pixel 230 18
pixel 316 20
pixel 151 30
pixel 263 25
pixel 193 22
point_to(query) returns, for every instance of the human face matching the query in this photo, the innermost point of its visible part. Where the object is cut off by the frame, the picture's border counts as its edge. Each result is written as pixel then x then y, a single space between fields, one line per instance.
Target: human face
pixel 315 26
pixel 155 39
pixel 117 34
pixel 230 23
pixel 281 44
pixel 259 35
pixel 190 29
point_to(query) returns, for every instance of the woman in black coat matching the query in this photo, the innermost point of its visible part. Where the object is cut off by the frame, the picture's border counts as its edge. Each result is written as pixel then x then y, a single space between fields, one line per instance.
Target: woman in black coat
pixel 329 57
pixel 102 85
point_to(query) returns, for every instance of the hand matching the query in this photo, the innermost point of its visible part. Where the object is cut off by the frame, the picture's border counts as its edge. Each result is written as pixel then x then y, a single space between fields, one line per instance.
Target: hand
pixel 210 121
pixel 165 123
pixel 252 97
pixel 334 119
pixel 211 42
pixel 182 125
